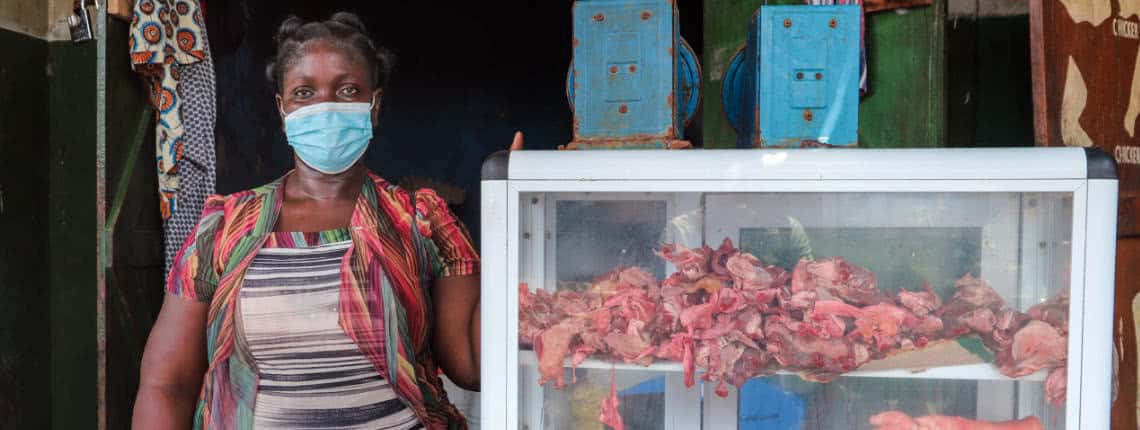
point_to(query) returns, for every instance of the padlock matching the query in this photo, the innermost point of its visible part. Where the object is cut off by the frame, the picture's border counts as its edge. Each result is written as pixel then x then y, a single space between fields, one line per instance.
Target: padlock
pixel 79 22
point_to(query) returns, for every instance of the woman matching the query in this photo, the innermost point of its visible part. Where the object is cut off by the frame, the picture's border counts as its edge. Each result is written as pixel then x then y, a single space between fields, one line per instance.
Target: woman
pixel 330 297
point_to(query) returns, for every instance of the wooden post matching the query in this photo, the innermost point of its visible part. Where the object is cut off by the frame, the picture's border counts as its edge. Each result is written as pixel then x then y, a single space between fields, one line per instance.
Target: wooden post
pixel 1086 93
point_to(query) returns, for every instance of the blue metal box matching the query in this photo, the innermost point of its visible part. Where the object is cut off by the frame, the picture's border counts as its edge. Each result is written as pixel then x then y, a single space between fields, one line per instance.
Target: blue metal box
pixel 797 79
pixel 634 82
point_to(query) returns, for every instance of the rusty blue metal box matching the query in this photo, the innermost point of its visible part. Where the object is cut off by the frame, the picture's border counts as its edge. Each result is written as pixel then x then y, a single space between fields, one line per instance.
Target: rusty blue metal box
pixel 797 79
pixel 634 82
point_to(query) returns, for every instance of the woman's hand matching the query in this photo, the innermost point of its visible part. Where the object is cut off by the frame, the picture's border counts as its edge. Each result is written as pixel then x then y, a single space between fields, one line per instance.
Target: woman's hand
pixel 517 144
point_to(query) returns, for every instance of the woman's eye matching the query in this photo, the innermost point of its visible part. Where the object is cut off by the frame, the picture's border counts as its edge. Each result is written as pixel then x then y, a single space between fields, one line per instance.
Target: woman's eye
pixel 349 91
pixel 302 93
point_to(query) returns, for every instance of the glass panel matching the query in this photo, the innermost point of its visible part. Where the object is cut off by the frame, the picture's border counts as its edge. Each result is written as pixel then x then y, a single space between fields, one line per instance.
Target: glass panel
pixel 796 310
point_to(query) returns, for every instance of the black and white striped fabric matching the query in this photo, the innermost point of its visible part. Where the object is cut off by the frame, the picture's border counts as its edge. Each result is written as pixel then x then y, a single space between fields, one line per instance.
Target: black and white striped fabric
pixel 312 375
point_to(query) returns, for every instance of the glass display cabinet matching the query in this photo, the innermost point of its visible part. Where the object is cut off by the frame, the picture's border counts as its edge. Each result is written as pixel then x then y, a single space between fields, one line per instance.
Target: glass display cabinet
pixel 787 289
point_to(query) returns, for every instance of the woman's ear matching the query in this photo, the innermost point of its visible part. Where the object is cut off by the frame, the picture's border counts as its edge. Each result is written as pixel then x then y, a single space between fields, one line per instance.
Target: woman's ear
pixel 280 106
pixel 377 96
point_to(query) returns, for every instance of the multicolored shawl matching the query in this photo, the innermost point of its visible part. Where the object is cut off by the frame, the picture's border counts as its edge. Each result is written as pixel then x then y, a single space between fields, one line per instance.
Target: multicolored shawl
pixel 385 304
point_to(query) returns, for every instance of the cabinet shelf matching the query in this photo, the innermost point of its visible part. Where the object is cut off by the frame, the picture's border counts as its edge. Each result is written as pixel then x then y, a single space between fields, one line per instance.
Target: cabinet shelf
pixel 975 372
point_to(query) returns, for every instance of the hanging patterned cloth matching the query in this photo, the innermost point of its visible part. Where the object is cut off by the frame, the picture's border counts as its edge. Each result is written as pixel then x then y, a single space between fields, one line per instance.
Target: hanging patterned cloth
pixel 168 46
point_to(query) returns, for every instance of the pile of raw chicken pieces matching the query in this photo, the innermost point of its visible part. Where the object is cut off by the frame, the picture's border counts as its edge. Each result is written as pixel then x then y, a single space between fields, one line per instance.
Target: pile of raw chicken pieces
pixel 733 317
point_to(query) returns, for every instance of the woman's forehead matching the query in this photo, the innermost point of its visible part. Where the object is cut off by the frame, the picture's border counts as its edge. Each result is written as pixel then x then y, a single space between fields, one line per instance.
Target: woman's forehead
pixel 324 58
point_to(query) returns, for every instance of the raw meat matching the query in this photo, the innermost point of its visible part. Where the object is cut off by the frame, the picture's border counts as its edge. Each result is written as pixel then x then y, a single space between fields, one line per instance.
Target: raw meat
pixel 881 324
pixel 971 293
pixel 680 348
pixel 853 284
pixel 749 273
pixel 636 277
pixel 709 284
pixel 733 317
pixel 1036 346
pixel 699 316
pixel 821 359
pixel 980 320
pixel 920 302
pixel 929 326
pixel 1054 311
pixel 751 323
pixel 1056 385
pixel 719 261
pixel 753 363
pixel 801 300
pixel 631 346
pixel 692 263
pixel 609 410
pixel 895 420
pixel 552 346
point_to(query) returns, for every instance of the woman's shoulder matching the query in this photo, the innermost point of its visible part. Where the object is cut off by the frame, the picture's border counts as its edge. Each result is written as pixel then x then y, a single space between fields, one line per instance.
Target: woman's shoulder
pixel 234 200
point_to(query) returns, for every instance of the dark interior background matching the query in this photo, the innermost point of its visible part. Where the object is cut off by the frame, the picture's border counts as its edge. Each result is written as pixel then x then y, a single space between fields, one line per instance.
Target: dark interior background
pixel 468 74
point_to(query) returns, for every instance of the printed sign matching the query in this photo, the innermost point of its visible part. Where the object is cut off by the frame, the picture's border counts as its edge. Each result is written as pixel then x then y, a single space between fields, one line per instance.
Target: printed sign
pixel 1086 85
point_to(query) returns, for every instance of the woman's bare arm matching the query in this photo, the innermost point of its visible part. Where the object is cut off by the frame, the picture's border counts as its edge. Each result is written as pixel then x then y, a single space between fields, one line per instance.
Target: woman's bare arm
pixel 173 365
pixel 456 335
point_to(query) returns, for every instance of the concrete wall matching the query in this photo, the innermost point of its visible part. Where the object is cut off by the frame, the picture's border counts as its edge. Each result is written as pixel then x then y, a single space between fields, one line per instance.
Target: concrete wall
pixel 43 19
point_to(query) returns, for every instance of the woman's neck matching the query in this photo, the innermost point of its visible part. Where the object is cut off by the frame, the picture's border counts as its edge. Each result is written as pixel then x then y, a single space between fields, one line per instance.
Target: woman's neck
pixel 305 183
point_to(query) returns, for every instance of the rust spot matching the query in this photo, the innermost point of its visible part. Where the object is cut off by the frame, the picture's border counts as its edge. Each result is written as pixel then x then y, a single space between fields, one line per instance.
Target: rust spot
pixel 672 52
pixel 757 137
pixel 787 23
pixel 623 109
pixel 799 76
pixel 600 17
pixel 807 115
pixel 666 140
pixel 574 42
pixel 632 68
pixel 834 23
pixel 645 15
pixel 669 99
pixel 818 76
pixel 613 69
pixel 812 143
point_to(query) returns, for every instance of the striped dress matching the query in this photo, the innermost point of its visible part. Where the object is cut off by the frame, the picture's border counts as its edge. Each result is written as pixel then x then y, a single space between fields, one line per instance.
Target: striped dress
pixel 311 375
pixel 403 242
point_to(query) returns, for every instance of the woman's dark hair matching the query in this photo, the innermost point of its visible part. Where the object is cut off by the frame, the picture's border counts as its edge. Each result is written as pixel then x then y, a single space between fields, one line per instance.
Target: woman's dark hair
pixel 344 29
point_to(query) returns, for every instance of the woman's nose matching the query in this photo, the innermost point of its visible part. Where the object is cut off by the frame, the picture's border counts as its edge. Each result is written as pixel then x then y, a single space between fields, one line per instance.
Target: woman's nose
pixel 324 96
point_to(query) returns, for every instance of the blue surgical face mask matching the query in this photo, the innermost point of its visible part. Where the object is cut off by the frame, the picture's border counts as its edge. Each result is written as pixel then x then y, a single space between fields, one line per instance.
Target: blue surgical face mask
pixel 330 137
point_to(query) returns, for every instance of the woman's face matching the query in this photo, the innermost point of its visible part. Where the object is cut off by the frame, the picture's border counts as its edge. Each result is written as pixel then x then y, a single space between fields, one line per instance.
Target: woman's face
pixel 326 73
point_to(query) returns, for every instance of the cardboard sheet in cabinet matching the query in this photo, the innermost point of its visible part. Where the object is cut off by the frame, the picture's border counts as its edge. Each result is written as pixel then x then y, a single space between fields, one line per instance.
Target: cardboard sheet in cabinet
pixel 939 353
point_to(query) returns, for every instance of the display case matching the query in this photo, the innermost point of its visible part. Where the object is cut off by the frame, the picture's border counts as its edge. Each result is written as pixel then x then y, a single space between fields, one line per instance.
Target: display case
pixel 787 289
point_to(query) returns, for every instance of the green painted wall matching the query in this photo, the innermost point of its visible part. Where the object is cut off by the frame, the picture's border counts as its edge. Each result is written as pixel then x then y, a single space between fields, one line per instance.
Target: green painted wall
pixel 73 234
pixel 906 53
pixel 24 291
pixel 48 235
